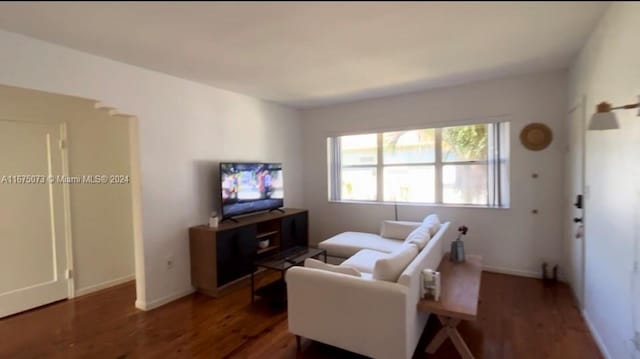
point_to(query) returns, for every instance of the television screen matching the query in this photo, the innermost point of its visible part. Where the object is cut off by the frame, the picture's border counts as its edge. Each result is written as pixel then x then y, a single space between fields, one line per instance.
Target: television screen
pixel 250 187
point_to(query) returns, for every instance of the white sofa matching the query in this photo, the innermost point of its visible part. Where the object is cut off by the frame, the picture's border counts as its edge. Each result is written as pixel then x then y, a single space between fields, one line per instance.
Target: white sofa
pixel 376 318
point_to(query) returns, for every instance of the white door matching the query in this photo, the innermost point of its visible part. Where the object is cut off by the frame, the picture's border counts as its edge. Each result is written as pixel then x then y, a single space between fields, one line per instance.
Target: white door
pixel 636 298
pixel 574 235
pixel 33 257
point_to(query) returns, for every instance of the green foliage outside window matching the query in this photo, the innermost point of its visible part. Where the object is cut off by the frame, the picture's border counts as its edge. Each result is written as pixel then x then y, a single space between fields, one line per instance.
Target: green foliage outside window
pixel 466 142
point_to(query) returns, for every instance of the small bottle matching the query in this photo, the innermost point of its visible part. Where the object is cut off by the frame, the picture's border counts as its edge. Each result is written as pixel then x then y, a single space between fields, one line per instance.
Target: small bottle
pixel 436 286
pixel 427 284
pixel 213 220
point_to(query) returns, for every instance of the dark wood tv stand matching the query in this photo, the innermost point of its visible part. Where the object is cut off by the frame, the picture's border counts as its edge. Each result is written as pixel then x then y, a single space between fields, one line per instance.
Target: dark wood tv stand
pixel 223 256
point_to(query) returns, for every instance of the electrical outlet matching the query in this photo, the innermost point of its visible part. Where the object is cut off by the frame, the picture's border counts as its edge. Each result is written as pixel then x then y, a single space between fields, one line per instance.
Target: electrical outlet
pixel 170 262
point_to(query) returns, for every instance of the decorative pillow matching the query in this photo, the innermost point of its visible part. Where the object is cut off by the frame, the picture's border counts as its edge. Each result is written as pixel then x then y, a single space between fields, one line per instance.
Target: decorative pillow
pixel 433 221
pixel 397 229
pixel 419 236
pixel 390 268
pixel 316 264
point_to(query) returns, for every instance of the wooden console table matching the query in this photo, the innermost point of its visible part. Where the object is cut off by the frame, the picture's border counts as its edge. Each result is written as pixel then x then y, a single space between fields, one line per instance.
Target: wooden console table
pixel 459 296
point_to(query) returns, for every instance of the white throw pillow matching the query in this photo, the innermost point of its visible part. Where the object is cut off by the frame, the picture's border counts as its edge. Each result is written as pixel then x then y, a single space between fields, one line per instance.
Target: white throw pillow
pixel 419 236
pixel 433 221
pixel 397 229
pixel 316 264
pixel 390 268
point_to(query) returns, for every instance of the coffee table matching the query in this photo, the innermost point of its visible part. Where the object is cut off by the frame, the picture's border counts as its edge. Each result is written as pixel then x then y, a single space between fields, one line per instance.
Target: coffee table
pixel 281 262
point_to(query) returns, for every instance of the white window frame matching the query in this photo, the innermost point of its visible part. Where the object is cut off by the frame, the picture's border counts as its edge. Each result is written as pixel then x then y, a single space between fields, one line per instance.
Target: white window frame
pixel 497 171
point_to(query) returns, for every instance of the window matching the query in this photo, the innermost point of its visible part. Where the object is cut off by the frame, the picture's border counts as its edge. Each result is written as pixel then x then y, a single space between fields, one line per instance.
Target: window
pixel 450 165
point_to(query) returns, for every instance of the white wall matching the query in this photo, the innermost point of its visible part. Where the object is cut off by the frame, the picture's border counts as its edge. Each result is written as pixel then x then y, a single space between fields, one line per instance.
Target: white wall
pixel 184 128
pixel 511 240
pixel 101 218
pixel 608 69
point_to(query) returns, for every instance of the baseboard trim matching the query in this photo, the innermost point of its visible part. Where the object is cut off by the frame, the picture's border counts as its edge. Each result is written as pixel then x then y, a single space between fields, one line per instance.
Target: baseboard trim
pixel 596 336
pixel 517 272
pixel 162 301
pixel 103 285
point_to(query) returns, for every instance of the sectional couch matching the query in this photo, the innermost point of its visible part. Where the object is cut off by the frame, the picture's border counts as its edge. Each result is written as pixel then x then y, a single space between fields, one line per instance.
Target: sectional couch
pixel 368 303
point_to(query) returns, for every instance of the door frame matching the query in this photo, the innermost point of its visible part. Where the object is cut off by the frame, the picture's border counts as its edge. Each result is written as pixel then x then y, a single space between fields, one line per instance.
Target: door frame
pixel 71 285
pixel 136 210
pixel 580 104
pixel 66 201
pixel 136 200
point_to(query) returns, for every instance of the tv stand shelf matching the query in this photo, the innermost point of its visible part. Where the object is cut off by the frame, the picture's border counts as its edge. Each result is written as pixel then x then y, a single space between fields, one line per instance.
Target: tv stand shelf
pixel 266 234
pixel 223 256
pixel 268 249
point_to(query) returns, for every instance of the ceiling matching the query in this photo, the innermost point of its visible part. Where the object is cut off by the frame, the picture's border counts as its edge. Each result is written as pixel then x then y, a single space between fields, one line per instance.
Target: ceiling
pixel 312 54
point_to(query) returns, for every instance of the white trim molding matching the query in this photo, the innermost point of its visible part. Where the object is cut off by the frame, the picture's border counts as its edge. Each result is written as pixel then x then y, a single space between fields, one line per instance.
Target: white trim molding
pixel 104 285
pixel 596 336
pixel 162 301
pixel 510 271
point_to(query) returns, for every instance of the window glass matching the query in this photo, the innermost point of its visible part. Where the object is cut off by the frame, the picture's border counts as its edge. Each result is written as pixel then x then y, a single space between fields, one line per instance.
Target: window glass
pixel 359 184
pixel 409 184
pixel 464 143
pixel 464 184
pixel 359 150
pixel 415 146
pixel 472 166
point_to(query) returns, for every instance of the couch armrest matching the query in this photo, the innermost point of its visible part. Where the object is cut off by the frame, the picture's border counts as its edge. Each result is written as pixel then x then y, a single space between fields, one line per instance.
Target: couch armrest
pixel 364 316
pixel 397 229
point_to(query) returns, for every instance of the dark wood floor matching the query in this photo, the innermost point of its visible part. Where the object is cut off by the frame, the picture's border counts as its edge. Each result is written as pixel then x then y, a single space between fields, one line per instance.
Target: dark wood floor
pixel 519 318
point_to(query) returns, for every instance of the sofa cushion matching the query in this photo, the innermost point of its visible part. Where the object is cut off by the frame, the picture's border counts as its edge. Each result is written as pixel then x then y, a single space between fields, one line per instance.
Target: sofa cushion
pixel 316 264
pixel 433 222
pixel 397 229
pixel 347 244
pixel 367 276
pixel 364 260
pixel 420 236
pixel 390 267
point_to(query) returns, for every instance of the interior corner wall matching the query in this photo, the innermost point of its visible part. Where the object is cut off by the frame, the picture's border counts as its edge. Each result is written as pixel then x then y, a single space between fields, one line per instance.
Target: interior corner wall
pixel 101 219
pixel 511 240
pixel 607 69
pixel 185 128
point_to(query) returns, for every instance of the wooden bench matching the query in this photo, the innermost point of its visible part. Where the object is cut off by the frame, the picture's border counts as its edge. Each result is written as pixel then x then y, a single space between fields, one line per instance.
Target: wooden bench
pixel 459 296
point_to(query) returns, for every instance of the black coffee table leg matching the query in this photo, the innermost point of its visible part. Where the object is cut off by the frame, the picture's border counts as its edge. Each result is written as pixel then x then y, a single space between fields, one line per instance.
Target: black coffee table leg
pixel 252 286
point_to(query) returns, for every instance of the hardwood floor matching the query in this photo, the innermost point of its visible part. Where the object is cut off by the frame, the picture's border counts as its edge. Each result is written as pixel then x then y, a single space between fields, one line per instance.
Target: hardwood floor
pixel 518 318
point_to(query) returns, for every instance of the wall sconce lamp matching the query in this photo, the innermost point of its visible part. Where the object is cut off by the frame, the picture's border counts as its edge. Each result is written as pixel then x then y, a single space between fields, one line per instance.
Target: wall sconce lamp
pixel 605 118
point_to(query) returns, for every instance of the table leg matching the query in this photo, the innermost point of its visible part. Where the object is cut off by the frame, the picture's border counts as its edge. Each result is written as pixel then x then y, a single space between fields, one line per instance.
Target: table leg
pixel 252 287
pixel 449 330
pixel 448 321
pixel 459 343
pixel 437 341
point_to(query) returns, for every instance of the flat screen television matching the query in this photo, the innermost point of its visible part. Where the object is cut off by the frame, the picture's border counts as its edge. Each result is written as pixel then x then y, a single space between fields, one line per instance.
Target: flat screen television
pixel 250 187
